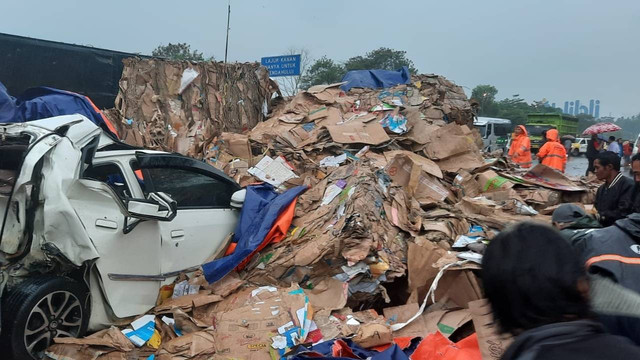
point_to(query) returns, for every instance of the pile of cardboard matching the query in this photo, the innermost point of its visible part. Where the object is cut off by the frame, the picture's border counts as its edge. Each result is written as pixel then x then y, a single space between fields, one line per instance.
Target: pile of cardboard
pixel 180 106
pixel 400 206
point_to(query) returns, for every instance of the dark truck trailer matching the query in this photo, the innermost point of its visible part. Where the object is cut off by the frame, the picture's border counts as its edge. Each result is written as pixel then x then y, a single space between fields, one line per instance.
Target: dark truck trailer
pixel 27 62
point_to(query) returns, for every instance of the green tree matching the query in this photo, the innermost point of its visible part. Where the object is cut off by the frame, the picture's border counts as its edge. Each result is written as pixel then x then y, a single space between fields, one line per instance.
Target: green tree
pixel 486 97
pixel 630 127
pixel 180 51
pixel 382 58
pixel 323 71
pixel 514 109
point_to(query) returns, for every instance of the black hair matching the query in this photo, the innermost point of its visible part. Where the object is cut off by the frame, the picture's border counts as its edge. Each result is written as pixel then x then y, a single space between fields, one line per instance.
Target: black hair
pixel 530 276
pixel 609 158
pixel 635 157
pixel 612 138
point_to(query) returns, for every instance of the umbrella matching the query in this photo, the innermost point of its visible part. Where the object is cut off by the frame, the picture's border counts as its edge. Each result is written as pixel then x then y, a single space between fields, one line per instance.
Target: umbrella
pixel 600 128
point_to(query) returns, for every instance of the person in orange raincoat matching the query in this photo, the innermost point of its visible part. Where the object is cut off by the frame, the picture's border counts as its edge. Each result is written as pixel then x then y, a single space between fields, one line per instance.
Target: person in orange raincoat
pixel 552 153
pixel 520 150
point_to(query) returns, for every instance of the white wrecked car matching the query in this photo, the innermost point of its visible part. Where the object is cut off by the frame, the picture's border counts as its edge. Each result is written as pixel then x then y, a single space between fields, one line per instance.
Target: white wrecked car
pixel 92 228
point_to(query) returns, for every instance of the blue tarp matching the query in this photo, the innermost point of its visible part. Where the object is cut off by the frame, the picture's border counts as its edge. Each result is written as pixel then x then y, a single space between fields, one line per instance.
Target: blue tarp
pixel 261 208
pixel 375 79
pixel 324 350
pixel 43 102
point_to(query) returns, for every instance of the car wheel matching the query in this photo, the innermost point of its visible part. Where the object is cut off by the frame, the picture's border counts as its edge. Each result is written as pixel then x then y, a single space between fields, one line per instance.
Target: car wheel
pixel 575 152
pixel 40 309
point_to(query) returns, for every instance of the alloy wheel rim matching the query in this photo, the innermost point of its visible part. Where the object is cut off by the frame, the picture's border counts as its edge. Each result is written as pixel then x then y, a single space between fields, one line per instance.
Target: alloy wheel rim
pixel 59 314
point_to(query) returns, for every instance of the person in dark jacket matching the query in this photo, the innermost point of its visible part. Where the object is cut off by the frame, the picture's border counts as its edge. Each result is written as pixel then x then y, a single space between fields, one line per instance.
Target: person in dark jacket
pixel 538 291
pixel 614 199
pixel 573 222
pixel 635 171
pixel 593 148
pixel 614 251
pixel 617 307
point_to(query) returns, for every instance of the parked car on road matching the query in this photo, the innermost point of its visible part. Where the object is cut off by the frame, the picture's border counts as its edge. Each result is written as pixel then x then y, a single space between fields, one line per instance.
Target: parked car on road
pixel 579 146
pixel 92 228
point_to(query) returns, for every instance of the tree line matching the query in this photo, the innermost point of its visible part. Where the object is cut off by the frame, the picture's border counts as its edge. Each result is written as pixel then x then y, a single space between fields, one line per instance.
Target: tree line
pixel 516 109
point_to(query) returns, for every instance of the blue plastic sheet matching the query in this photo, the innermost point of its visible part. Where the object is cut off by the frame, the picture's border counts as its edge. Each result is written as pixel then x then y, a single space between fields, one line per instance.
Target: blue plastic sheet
pixel 375 79
pixel 43 102
pixel 324 350
pixel 261 208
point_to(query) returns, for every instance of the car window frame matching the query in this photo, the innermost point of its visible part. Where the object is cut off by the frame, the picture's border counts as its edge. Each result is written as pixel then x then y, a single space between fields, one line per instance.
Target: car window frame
pixel 122 173
pixel 151 187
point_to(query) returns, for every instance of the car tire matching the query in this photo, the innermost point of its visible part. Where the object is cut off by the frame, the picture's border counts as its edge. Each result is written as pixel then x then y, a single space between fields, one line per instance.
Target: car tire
pixel 575 152
pixel 39 309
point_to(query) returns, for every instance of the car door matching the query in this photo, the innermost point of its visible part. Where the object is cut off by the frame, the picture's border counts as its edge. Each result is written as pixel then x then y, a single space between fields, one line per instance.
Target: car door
pixel 204 218
pixel 129 264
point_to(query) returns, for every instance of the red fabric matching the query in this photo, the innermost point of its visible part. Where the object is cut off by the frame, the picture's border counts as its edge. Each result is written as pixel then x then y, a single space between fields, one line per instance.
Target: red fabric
pixel 277 232
pixel 230 249
pixel 106 119
pixel 402 342
pixel 438 347
pixel 341 349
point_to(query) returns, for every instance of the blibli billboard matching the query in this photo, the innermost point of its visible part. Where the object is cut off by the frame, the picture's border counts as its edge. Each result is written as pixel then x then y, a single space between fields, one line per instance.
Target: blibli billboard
pixel 576 107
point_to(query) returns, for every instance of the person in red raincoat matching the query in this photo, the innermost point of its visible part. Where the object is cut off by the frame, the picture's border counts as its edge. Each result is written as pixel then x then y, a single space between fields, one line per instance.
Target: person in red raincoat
pixel 552 153
pixel 520 150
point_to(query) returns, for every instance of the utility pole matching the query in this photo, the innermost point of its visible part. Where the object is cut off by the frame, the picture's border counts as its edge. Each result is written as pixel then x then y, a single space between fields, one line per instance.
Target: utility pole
pixel 226 47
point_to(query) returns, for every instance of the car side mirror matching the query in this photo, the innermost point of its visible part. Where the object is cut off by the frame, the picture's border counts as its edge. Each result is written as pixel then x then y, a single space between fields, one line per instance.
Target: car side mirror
pixel 158 206
pixel 237 199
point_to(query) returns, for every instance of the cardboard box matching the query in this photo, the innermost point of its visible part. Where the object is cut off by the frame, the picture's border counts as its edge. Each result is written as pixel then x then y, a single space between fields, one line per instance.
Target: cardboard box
pixel 492 344
pixel 373 334
pixel 246 331
pixel 467 183
pixel 447 322
pixel 491 181
pixel 401 314
pixel 356 132
pixel 424 187
pixel 318 113
pixel 547 177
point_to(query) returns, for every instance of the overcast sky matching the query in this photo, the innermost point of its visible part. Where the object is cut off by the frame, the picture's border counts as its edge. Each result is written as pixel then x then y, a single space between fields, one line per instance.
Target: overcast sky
pixel 555 49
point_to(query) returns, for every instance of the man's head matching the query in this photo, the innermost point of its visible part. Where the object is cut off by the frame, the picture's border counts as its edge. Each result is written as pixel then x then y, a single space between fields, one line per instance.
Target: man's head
pixel 552 135
pixel 566 214
pixel 532 277
pixel 620 141
pixel 612 139
pixel 635 167
pixel 607 165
